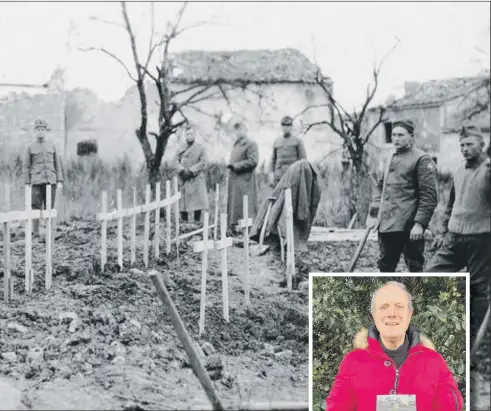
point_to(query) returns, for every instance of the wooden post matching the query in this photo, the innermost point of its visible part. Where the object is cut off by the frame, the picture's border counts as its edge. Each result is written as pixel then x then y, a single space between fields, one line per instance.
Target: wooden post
pixel 244 224
pixel 7 280
pixel 217 208
pixel 104 232
pixel 203 247
pixel 177 216
pixel 146 233
pixel 133 230
pixel 290 249
pixel 48 239
pixel 119 206
pixel 183 335
pixel 28 244
pixel 168 219
pixel 222 245
pixel 157 223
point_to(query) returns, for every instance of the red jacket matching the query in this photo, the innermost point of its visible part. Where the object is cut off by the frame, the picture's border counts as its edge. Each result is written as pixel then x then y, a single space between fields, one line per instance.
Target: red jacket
pixel 368 371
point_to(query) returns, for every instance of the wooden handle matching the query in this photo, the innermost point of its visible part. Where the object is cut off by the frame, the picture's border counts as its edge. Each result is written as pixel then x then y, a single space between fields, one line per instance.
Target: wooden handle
pixel 359 249
pixel 183 335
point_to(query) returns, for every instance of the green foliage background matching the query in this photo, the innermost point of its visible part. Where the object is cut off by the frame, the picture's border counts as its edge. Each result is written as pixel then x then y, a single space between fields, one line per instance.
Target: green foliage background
pixel 341 307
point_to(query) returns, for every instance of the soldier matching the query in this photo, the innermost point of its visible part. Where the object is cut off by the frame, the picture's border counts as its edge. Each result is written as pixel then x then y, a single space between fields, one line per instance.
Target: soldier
pixel 465 237
pixel 192 163
pixel 242 176
pixel 42 166
pixel 286 150
pixel 405 202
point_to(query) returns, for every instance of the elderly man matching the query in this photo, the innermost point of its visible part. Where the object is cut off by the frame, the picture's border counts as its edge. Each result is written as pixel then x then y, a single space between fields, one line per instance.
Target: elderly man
pixel 42 167
pixel 242 176
pixel 465 237
pixel 405 202
pixel 286 150
pixel 192 163
pixel 392 358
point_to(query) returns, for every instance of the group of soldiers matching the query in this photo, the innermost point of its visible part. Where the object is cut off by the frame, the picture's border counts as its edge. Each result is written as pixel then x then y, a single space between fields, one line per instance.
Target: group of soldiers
pixel 403 207
pixel 405 203
pixel 242 164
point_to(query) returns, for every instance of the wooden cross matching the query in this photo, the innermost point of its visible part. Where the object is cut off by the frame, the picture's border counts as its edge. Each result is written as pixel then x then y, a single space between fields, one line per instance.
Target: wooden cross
pixel 7 280
pixel 290 250
pixel 203 247
pixel 244 224
pixel 224 243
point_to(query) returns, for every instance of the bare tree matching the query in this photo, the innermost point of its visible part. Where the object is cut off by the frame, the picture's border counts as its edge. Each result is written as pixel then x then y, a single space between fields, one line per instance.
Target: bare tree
pixel 353 127
pixel 171 101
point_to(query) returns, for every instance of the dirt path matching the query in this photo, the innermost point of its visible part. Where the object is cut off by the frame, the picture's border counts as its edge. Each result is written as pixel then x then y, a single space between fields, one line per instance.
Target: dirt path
pixel 103 341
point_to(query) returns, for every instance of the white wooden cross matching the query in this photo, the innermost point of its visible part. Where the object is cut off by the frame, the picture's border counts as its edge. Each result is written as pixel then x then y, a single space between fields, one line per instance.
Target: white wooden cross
pixel 203 247
pixel 290 250
pixel 28 215
pixel 224 243
pixel 244 224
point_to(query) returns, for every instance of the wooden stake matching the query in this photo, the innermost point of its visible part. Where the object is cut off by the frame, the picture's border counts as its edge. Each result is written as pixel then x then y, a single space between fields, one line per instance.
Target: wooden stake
pixel 168 219
pixel 7 280
pixel 133 230
pixel 244 224
pixel 104 232
pixel 290 250
pixel 183 335
pixel 203 247
pixel 177 216
pixel 119 206
pixel 146 233
pixel 222 245
pixel 217 208
pixel 157 223
pixel 28 244
pixel 48 239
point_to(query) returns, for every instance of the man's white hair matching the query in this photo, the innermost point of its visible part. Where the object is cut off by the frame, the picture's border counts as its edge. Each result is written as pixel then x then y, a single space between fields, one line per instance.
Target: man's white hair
pixel 395 284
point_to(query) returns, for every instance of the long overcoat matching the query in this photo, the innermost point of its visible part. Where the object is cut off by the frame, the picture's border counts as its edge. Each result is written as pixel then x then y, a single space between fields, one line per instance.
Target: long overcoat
pixel 194 194
pixel 242 180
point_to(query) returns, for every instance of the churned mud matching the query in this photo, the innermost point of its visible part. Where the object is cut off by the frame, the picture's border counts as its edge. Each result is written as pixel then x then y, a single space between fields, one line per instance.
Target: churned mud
pixel 103 340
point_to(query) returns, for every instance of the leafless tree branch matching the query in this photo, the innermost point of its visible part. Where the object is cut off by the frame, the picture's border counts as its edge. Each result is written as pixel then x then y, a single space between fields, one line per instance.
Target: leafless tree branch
pixel 113 56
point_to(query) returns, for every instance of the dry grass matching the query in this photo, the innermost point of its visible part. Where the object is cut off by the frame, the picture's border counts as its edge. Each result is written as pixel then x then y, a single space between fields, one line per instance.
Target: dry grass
pixel 87 177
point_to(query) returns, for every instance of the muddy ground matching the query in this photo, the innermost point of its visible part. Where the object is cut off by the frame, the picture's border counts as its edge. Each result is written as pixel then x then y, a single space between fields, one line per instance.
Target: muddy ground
pixel 103 341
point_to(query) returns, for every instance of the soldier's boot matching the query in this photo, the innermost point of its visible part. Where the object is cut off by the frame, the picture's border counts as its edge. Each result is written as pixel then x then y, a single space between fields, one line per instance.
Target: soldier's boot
pixel 480 395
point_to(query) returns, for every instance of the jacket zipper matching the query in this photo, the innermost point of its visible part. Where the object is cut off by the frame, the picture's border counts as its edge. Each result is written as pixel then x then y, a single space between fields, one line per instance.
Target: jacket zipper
pixel 396 382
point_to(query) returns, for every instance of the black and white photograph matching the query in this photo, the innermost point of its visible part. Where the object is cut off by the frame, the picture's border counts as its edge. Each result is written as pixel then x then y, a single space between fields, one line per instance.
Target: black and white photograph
pixel 171 173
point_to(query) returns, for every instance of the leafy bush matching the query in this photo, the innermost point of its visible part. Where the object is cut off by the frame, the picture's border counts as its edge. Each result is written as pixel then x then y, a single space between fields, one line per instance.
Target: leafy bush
pixel 341 307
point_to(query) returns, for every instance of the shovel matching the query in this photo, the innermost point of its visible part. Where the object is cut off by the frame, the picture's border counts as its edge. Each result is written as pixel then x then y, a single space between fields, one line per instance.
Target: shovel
pixel 360 247
pixel 260 249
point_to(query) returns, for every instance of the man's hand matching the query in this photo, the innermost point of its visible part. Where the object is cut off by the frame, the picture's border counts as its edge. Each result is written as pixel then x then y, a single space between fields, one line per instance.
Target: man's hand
pixel 59 186
pixel 437 242
pixel 417 232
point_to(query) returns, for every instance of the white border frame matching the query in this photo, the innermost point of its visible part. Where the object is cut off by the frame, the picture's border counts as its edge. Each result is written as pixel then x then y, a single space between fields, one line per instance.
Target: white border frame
pixel 362 274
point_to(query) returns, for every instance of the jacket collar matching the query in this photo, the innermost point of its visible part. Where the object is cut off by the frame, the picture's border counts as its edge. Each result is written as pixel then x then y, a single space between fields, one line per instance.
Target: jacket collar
pixel 368 339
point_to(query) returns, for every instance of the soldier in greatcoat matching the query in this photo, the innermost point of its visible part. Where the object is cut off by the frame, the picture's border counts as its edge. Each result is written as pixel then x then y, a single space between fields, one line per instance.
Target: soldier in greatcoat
pixel 42 167
pixel 405 202
pixel 192 164
pixel 286 150
pixel 244 159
